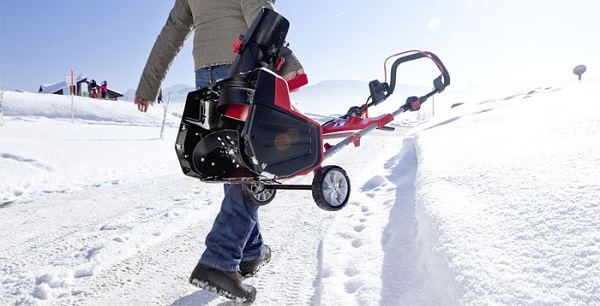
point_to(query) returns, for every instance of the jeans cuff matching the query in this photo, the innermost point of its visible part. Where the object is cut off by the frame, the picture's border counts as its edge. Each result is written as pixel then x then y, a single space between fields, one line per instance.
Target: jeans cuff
pixel 215 264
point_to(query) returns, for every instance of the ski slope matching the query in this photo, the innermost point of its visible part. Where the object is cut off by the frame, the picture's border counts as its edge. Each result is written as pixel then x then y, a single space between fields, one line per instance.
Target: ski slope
pixel 489 203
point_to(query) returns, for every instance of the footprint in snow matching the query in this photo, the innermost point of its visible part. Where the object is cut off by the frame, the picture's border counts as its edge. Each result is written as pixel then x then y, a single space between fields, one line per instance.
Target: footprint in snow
pixel 374 183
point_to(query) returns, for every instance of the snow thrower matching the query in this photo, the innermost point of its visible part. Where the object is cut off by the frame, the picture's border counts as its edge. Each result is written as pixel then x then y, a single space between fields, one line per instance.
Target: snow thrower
pixel 244 129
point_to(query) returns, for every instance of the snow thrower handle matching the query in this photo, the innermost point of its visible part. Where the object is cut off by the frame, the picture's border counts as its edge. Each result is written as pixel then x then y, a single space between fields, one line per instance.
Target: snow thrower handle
pixel 381 91
pixel 261 44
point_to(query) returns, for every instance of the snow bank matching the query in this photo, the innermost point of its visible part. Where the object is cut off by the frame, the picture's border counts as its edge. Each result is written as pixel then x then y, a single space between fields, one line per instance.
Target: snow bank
pixel 509 193
pixel 36 155
pixel 23 104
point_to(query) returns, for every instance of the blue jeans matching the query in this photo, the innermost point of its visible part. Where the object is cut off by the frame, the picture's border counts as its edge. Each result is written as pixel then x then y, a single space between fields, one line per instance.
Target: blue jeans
pixel 235 235
pixel 209 75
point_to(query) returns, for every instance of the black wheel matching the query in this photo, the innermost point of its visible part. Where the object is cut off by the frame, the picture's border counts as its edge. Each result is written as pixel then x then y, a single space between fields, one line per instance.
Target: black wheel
pixel 331 188
pixel 257 194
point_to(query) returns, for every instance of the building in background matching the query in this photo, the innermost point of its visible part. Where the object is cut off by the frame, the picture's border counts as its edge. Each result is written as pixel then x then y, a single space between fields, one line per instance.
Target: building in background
pixel 81 89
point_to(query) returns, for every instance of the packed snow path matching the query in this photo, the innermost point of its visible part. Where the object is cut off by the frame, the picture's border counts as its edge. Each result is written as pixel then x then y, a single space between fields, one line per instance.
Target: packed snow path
pixel 135 241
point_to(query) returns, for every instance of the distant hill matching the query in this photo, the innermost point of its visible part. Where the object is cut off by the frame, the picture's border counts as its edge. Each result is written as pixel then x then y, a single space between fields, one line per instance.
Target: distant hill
pixel 336 96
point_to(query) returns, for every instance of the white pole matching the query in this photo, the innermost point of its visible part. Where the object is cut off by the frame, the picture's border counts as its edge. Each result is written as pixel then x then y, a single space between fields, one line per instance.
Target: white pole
pixel 165 107
pixel 1 114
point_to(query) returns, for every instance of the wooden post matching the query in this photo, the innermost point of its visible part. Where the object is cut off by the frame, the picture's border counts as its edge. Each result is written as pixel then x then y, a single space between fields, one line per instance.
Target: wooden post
pixel 72 92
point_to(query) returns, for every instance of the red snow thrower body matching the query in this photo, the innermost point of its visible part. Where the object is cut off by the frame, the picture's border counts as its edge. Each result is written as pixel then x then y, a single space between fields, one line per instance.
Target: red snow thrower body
pixel 245 130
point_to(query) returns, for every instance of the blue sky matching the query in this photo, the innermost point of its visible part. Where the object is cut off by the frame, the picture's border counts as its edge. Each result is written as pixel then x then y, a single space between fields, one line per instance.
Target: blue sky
pixel 484 44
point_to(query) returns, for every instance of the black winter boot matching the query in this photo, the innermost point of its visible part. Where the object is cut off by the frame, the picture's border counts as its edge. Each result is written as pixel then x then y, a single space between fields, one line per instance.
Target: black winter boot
pixel 224 283
pixel 250 267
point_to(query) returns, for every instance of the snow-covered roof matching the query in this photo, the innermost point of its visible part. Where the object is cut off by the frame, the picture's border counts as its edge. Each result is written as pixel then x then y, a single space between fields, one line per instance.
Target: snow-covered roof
pixel 52 88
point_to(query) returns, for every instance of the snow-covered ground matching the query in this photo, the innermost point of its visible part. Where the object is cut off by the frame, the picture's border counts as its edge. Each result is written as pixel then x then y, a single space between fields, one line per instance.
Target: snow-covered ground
pixel 491 203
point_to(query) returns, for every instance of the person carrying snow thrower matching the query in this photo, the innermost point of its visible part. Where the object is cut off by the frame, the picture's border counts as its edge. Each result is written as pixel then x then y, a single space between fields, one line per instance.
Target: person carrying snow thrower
pixel 234 246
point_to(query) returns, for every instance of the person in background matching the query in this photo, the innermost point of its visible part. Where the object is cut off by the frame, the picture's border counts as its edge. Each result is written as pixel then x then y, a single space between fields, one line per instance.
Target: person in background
pixel 104 90
pixel 93 89
pixel 234 246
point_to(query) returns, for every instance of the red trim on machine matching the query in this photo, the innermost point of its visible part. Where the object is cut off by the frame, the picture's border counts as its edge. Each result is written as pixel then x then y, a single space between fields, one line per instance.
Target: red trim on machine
pixel 238 111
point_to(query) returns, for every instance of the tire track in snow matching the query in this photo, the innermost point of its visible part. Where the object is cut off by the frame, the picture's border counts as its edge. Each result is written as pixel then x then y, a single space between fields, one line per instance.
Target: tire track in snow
pixel 29 161
pixel 163 270
pixel 294 230
pixel 51 263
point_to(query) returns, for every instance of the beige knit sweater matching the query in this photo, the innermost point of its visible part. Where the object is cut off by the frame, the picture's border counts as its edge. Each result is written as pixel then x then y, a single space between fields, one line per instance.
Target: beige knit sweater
pixel 215 24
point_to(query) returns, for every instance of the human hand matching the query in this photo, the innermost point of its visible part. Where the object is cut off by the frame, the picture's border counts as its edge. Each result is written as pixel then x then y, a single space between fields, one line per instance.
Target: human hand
pixel 142 104
pixel 292 74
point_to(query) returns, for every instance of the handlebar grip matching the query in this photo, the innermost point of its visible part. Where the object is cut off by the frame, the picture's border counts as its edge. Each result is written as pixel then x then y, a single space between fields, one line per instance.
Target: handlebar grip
pixel 440 85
